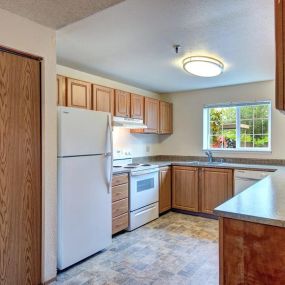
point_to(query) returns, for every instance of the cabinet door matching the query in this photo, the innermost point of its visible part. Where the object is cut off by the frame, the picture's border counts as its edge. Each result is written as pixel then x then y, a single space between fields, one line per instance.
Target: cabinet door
pixel 165 118
pixel 216 186
pixel 151 115
pixel 164 189
pixel 78 93
pixel 61 90
pixel 103 99
pixel 137 106
pixel 279 38
pixel 122 103
pixel 185 188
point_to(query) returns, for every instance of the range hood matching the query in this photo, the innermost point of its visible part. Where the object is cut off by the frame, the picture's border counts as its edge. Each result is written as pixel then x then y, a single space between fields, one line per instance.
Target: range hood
pixel 128 123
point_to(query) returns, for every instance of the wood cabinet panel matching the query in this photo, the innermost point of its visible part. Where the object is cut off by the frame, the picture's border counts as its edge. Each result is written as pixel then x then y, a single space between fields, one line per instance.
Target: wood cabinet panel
pixel 120 192
pixel 120 179
pixel 216 186
pixel 151 115
pixel 61 90
pixel 251 253
pixel 122 103
pixel 103 99
pixel 137 106
pixel 185 188
pixel 164 189
pixel 165 118
pixel 120 207
pixel 20 175
pixel 78 93
pixel 280 58
pixel 120 223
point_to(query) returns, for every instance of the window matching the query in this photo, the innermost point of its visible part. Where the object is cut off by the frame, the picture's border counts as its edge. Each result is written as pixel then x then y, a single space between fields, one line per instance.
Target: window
pixel 241 126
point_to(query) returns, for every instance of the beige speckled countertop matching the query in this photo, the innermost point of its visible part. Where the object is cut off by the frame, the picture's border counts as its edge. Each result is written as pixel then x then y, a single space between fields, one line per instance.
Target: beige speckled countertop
pixel 264 202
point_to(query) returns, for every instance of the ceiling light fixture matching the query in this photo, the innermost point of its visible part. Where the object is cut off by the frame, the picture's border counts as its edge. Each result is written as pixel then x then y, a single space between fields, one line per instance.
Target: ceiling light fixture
pixel 203 66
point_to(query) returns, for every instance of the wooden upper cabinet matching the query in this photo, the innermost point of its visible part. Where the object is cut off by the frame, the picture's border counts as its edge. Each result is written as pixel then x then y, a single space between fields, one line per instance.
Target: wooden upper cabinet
pixel 61 90
pixel 216 186
pixel 122 103
pixel 185 188
pixel 78 93
pixel 280 58
pixel 103 99
pixel 137 106
pixel 165 117
pixel 151 115
pixel 164 189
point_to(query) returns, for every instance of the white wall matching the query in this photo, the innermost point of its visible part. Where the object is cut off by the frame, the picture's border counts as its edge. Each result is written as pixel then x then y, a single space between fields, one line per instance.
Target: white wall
pixel 24 35
pixel 188 119
pixel 123 139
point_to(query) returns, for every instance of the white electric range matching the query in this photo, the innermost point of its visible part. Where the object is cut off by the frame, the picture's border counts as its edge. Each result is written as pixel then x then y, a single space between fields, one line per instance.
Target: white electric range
pixel 143 191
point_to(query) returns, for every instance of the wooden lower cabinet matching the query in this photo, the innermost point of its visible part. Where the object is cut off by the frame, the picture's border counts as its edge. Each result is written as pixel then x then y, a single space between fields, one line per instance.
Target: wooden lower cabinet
pixel 185 188
pixel 120 203
pixel 251 253
pixel 200 189
pixel 216 186
pixel 164 189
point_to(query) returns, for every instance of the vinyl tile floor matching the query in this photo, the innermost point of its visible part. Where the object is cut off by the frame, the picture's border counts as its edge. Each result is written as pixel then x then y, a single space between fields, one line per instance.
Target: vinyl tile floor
pixel 174 249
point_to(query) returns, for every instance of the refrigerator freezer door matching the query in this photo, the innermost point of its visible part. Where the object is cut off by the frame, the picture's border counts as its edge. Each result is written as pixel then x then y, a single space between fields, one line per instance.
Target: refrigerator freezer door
pixel 82 132
pixel 84 208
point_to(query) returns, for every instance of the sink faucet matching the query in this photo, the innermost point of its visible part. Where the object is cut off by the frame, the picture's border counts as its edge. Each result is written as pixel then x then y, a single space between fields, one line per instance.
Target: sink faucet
pixel 210 155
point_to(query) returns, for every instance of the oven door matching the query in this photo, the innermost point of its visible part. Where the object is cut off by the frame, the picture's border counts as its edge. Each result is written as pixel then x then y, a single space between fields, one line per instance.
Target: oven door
pixel 144 188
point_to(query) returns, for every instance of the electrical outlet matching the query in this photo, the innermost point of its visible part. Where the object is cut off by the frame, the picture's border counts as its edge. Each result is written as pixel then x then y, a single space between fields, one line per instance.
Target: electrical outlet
pixel 147 149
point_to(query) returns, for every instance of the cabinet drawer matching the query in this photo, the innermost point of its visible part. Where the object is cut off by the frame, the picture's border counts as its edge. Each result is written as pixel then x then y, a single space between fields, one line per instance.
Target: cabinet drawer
pixel 120 179
pixel 120 207
pixel 120 223
pixel 120 192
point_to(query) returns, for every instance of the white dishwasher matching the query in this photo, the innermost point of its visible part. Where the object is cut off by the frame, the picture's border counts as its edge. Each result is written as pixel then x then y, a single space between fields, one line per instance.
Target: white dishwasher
pixel 246 178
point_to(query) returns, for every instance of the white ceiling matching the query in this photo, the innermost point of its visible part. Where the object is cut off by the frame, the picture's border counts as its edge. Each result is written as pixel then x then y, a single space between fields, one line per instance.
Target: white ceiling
pixel 56 13
pixel 132 42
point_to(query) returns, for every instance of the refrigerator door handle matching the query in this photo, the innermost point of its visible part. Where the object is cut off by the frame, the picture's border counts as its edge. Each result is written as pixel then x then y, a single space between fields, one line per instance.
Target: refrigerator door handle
pixel 110 154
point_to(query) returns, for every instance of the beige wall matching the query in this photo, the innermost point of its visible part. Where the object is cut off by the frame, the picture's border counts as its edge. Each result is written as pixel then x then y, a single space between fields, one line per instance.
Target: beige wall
pixel 19 33
pixel 138 144
pixel 188 119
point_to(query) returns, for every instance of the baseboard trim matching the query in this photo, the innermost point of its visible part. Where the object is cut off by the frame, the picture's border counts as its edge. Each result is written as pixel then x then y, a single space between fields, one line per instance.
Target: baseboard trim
pixel 49 281
pixel 197 214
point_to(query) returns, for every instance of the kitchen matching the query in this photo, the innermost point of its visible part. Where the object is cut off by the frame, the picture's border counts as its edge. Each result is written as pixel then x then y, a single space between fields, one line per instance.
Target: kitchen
pixel 163 195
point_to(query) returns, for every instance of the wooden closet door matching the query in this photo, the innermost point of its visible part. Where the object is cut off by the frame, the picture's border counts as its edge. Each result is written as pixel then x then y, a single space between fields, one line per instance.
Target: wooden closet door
pixel 103 99
pixel 20 175
pixel 78 94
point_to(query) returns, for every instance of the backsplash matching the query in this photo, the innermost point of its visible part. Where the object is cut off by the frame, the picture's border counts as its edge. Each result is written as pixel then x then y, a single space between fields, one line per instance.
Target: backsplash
pixel 137 144
pixel 204 158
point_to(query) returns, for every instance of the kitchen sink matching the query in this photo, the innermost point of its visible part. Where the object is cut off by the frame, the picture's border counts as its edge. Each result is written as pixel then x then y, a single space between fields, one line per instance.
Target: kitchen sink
pixel 205 163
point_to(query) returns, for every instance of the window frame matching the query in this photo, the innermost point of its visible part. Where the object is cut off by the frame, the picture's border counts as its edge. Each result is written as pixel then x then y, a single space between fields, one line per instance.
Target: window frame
pixel 237 105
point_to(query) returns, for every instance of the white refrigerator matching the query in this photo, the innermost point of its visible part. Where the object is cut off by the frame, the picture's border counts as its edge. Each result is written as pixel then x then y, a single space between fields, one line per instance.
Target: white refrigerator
pixel 84 184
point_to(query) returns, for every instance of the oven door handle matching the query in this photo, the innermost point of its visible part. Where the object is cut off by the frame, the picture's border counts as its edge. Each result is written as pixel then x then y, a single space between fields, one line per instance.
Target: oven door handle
pixel 143 172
